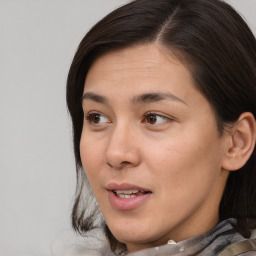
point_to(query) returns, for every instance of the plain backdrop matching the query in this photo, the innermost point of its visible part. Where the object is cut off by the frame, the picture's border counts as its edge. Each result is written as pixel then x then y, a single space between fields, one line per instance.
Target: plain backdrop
pixel 38 39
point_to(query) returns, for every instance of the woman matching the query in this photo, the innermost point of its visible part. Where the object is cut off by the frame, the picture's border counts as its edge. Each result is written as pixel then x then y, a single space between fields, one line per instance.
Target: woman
pixel 162 99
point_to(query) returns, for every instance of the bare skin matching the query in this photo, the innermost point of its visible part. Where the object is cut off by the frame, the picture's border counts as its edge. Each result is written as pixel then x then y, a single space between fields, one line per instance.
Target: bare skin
pixel 147 125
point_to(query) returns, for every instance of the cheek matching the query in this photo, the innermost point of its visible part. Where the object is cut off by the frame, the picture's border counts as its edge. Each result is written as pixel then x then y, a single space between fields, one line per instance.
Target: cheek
pixel 185 174
pixel 185 159
pixel 91 153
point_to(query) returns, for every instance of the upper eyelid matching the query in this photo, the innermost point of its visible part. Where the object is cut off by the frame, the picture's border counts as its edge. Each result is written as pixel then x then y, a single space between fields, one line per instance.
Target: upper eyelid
pixel 95 112
pixel 96 125
pixel 169 117
pixel 159 114
pixel 154 113
pixel 163 119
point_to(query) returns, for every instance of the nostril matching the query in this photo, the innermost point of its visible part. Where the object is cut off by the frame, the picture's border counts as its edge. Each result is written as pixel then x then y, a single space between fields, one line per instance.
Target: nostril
pixel 120 165
pixel 125 163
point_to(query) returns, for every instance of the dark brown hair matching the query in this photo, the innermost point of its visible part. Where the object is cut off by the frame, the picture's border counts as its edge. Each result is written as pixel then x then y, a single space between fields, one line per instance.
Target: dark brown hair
pixel 219 49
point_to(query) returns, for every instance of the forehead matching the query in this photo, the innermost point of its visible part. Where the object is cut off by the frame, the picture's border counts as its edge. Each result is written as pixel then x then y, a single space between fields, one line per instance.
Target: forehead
pixel 148 56
pixel 124 74
pixel 141 65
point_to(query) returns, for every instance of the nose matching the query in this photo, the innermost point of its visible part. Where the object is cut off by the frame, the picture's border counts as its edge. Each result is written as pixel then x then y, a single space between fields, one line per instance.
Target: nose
pixel 123 148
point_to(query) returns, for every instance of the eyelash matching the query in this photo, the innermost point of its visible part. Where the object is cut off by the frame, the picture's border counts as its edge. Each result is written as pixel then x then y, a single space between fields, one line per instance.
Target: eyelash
pixel 92 115
pixel 155 115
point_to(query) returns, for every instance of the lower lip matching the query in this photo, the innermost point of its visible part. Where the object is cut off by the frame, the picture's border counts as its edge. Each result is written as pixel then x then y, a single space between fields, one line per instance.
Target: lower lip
pixel 127 203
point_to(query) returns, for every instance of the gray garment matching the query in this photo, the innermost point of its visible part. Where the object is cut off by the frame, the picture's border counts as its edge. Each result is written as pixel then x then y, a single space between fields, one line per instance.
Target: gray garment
pixel 209 244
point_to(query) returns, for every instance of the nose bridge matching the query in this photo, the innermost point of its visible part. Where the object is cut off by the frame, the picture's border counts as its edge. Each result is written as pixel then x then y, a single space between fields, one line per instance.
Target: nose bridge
pixel 122 147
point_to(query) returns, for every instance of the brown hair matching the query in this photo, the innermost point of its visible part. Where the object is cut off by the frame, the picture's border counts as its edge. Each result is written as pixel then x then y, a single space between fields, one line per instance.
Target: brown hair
pixel 220 51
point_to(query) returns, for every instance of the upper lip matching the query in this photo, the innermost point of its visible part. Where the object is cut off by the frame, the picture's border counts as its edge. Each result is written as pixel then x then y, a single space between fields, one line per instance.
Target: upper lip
pixel 124 186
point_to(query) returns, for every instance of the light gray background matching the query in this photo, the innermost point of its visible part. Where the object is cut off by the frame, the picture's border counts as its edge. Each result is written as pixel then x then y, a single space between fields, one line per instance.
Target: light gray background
pixel 37 175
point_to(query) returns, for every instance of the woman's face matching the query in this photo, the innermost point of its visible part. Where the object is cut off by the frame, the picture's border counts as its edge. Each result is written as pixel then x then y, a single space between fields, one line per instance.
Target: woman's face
pixel 150 148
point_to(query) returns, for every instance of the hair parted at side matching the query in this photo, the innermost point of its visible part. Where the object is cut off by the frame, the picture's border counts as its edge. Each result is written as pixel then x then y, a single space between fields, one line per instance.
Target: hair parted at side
pixel 218 48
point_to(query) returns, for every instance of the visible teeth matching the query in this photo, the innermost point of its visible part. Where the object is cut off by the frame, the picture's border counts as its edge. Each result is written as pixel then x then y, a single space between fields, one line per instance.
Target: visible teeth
pixel 126 196
pixel 126 192
pixel 129 193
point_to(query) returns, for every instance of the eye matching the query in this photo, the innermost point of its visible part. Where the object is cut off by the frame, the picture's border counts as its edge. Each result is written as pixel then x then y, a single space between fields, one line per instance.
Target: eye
pixel 155 119
pixel 97 118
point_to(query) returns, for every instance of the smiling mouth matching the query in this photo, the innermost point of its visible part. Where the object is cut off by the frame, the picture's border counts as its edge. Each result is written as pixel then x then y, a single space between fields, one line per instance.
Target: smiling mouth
pixel 129 193
pixel 125 196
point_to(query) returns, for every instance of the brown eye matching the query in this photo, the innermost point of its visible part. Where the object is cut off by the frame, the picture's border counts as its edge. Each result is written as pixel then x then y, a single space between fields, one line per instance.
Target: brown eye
pixel 151 119
pixel 97 118
pixel 155 119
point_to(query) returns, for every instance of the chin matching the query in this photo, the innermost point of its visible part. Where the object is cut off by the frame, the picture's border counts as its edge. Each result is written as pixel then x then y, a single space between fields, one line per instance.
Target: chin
pixel 131 235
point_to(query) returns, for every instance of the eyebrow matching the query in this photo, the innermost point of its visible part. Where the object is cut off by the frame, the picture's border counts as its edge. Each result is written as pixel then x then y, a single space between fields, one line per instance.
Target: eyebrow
pixel 156 96
pixel 143 98
pixel 95 97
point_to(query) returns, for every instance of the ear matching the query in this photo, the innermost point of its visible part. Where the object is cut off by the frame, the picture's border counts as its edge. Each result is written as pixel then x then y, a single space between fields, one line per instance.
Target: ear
pixel 240 142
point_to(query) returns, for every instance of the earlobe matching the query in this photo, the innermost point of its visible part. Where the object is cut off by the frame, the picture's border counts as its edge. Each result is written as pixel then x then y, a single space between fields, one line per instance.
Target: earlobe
pixel 241 142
